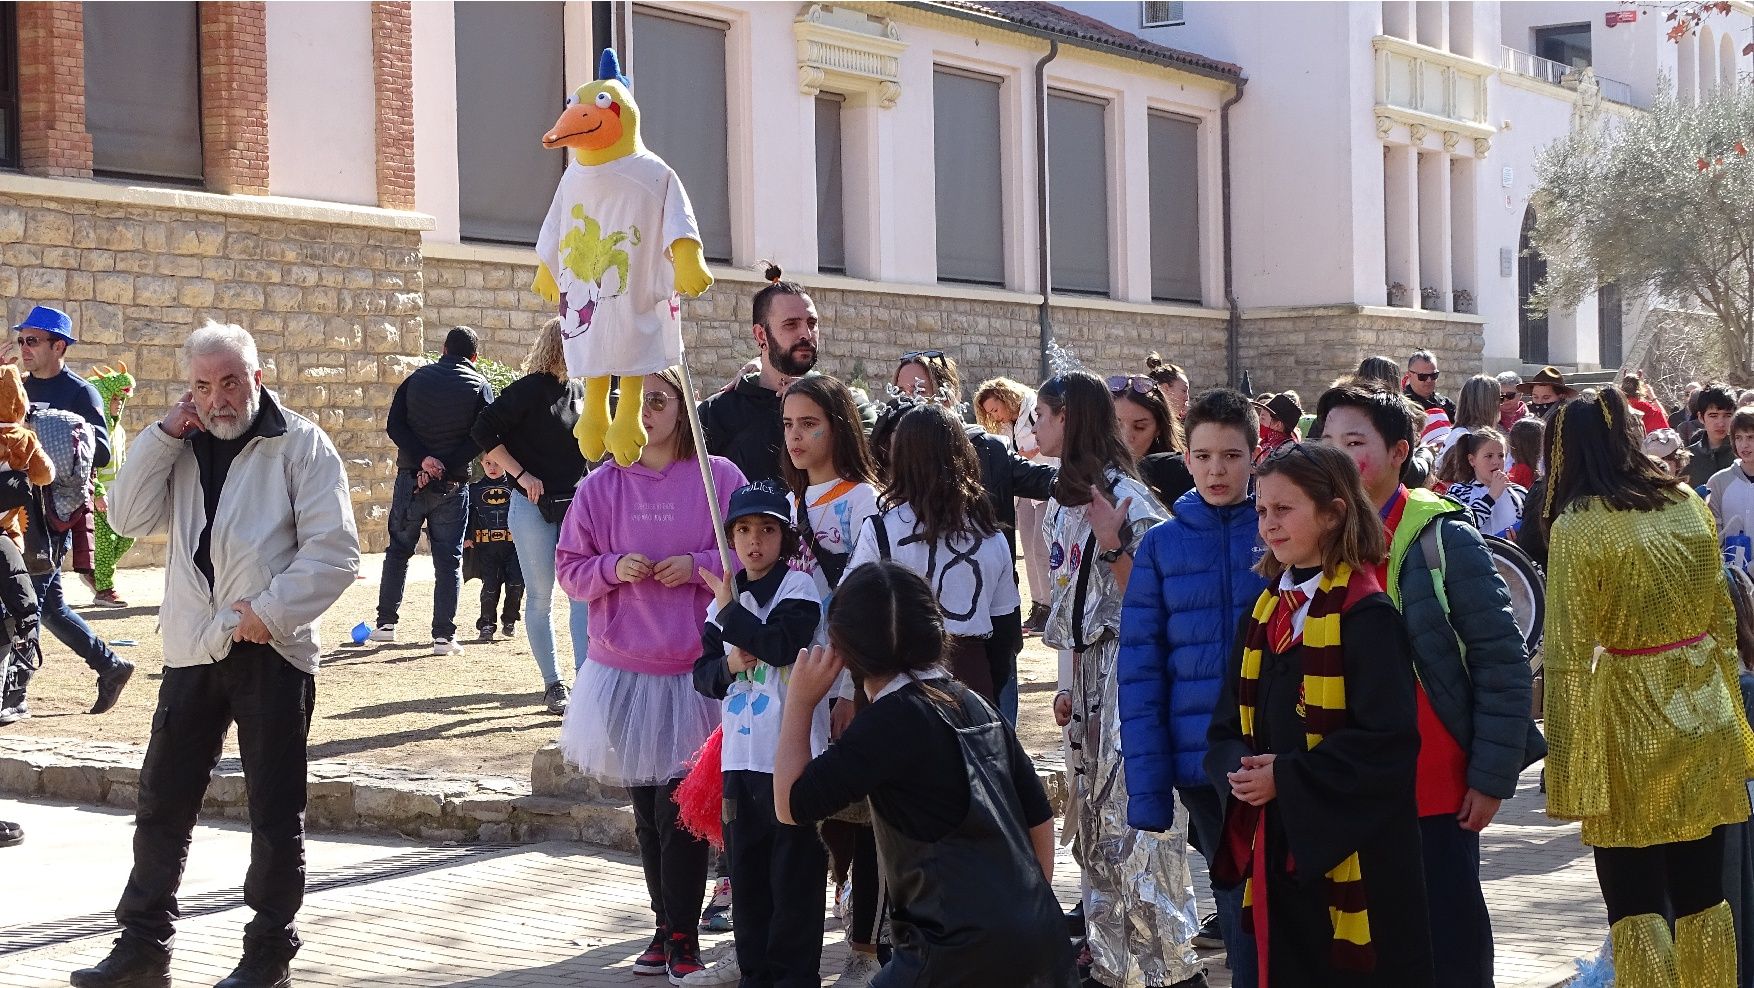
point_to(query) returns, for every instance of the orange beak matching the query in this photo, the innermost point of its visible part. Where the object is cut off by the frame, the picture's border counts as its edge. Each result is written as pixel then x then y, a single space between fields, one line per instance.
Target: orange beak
pixel 586 127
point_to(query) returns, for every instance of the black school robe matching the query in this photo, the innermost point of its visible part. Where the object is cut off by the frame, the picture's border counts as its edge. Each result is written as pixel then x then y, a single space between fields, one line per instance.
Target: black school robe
pixel 1354 792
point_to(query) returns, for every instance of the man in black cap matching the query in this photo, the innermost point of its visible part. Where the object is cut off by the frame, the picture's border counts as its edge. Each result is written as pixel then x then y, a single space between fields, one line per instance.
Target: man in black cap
pixel 43 338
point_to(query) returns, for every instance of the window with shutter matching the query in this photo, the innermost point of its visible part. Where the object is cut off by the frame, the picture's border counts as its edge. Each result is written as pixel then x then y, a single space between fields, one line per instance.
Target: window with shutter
pixel 1160 14
pixel 679 82
pixel 143 90
pixel 969 184
pixel 511 85
pixel 1078 192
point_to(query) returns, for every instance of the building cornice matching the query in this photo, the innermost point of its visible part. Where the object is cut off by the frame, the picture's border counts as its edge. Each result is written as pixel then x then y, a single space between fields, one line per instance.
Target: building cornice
pixel 969 24
pixel 200 201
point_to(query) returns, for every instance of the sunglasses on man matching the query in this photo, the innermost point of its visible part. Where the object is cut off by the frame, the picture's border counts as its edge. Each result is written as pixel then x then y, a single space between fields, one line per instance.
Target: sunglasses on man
pixel 1427 377
pixel 913 355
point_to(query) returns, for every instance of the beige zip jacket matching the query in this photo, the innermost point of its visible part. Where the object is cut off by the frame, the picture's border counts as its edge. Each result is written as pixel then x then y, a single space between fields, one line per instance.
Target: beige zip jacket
pixel 283 535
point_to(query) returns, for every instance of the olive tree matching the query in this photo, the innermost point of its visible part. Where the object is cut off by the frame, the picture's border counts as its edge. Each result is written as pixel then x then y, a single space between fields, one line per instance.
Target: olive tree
pixel 1660 203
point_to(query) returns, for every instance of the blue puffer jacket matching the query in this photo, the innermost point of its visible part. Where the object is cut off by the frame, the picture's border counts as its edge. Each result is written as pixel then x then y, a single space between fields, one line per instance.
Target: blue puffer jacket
pixel 1192 582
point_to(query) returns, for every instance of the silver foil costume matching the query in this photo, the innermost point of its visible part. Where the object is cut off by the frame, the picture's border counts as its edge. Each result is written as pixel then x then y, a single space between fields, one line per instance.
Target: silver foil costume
pixel 1139 913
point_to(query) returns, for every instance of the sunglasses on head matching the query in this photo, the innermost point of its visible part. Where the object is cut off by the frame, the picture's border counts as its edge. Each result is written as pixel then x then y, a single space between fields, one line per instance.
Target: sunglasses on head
pixel 1121 383
pixel 1428 377
pixel 913 355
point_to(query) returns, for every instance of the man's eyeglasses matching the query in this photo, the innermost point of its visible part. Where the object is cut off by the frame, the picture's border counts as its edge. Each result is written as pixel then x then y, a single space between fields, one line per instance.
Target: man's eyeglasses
pixel 1427 377
pixel 32 341
pixel 1508 396
pixel 657 401
pixel 1136 383
pixel 913 355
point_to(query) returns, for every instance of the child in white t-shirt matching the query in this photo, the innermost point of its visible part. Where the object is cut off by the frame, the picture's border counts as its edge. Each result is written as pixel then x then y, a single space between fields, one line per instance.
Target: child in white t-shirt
pixel 755 627
pixel 937 521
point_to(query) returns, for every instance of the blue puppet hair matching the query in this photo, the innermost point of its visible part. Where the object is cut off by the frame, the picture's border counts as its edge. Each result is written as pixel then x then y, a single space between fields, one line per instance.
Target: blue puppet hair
pixel 609 67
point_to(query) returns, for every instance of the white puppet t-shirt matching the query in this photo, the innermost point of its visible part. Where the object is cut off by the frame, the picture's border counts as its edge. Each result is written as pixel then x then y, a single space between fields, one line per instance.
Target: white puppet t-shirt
pixel 606 240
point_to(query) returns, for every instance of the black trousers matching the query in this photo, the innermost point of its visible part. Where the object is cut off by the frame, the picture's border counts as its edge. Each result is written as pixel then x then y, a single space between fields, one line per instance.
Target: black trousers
pixel 1461 945
pixel 777 874
pixel 1671 880
pixel 270 700
pixel 491 586
pixel 673 859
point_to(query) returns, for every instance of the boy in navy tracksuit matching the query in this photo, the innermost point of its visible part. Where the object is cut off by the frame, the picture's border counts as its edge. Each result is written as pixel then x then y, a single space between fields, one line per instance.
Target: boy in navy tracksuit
pixel 1193 580
pixel 488 552
pixel 754 629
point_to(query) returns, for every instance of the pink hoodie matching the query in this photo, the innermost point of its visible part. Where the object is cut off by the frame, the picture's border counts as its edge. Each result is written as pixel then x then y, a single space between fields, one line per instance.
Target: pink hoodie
pixel 642 627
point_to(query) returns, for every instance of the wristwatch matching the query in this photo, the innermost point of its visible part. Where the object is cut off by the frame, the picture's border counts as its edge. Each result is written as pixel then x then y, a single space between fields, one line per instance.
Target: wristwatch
pixel 1111 555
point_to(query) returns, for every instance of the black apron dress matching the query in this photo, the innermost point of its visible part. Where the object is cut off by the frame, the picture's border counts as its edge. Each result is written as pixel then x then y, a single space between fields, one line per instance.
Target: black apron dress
pixel 974 909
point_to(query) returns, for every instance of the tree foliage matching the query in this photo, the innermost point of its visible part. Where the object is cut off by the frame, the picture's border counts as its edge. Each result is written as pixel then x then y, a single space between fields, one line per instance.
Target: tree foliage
pixel 1661 203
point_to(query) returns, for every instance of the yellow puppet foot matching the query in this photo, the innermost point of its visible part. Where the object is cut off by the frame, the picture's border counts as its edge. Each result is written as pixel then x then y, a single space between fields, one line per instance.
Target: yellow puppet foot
pixel 627 434
pixel 593 419
pixel 1644 953
pixel 1705 948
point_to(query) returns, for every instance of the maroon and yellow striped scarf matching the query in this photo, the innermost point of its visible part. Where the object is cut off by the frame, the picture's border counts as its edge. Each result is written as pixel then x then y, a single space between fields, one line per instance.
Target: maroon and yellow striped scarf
pixel 1323 708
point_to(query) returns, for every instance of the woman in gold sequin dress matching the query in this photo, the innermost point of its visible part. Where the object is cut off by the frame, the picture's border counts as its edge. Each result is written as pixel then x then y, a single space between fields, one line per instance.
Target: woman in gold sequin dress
pixel 1648 744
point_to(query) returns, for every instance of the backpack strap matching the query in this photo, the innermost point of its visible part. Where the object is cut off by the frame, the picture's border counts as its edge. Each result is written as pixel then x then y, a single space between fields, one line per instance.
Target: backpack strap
pixel 882 532
pixel 1431 548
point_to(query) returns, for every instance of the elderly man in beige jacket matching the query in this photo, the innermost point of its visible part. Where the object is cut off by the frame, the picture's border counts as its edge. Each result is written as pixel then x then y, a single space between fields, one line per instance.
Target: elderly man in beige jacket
pixel 262 542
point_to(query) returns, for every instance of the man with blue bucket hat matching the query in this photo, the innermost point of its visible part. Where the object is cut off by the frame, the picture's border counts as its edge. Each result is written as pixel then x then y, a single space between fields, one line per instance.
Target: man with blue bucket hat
pixel 43 339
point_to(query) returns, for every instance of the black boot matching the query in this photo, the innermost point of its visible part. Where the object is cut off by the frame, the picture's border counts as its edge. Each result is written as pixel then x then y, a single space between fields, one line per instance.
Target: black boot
pixel 110 685
pixel 132 963
pixel 264 965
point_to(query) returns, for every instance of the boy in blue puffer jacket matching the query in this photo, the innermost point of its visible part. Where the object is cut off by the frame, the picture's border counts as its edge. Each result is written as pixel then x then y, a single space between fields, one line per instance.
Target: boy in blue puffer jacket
pixel 1193 580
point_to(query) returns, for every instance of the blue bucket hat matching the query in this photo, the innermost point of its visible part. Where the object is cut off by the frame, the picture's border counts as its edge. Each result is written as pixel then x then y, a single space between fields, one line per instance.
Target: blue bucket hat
pixel 50 320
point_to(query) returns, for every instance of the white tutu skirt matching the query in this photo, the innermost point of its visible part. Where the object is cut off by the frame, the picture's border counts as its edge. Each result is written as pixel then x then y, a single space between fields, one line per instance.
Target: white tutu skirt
pixel 634 729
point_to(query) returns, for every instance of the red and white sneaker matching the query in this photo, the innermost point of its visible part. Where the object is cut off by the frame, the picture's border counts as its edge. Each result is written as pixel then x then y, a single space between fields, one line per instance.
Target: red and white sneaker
pixel 684 957
pixel 656 958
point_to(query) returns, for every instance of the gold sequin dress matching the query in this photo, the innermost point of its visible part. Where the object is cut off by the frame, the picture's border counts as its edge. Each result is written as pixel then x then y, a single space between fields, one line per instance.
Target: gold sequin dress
pixel 1647 740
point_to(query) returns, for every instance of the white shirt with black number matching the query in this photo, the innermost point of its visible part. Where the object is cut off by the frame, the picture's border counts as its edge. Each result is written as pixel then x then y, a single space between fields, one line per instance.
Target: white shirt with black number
pixel 972 578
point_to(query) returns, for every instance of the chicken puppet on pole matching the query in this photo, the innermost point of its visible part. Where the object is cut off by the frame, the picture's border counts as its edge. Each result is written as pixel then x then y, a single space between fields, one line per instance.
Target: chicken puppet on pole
pixel 618 251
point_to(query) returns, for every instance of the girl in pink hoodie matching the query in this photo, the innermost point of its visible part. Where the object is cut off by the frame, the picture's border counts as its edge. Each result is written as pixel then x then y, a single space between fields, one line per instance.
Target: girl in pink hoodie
pixel 631 547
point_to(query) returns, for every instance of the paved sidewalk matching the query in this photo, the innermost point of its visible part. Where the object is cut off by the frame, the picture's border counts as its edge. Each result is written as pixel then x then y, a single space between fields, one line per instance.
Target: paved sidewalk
pixel 395 912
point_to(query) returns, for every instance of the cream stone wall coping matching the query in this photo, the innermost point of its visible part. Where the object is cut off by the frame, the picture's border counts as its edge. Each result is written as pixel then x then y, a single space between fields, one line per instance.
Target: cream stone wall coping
pixel 1386 311
pixel 495 254
pixel 261 207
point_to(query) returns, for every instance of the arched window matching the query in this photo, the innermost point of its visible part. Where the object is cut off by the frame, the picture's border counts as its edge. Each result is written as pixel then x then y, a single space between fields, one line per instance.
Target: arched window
pixel 1531 268
pixel 1726 61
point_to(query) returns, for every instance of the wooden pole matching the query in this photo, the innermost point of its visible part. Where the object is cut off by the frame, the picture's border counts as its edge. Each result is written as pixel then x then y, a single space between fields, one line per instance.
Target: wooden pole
pixel 706 467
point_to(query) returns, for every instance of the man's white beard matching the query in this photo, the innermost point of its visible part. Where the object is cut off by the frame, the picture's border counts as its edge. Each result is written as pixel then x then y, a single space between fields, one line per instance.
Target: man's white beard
pixel 232 428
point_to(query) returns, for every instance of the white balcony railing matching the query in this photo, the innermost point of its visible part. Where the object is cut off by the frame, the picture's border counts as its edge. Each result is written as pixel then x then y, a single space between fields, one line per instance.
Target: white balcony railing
pixel 1430 89
pixel 1559 74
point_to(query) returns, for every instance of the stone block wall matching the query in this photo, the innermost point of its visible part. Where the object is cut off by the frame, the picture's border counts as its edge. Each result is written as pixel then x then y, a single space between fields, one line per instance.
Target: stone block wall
pixel 863 331
pixel 335 310
pixel 1307 349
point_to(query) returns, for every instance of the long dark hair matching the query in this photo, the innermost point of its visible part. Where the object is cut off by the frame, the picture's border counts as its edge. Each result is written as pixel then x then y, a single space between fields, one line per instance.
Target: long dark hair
pixel 1326 473
pixel 934 471
pixel 852 456
pixel 1591 452
pixel 884 621
pixel 1169 438
pixel 1092 442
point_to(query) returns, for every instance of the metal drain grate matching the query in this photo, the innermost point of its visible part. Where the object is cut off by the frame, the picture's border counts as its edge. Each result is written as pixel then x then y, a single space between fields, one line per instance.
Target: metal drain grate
pixel 16 939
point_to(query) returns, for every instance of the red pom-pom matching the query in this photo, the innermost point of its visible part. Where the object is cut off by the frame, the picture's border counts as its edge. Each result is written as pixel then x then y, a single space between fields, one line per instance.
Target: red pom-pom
pixel 700 799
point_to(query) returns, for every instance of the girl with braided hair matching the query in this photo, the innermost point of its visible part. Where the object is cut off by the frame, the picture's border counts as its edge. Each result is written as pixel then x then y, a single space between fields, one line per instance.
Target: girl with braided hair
pixel 1648 743
pixel 1315 740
